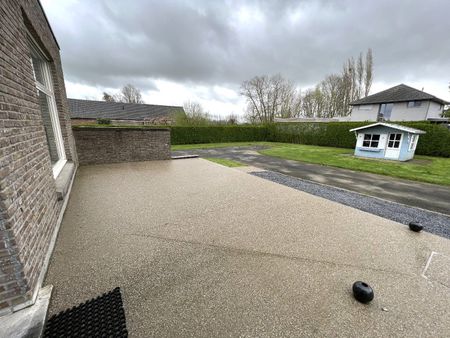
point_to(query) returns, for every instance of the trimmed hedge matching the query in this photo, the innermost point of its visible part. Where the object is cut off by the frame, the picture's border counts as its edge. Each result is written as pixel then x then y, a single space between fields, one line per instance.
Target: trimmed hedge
pixel 216 134
pixel 330 134
pixel 436 141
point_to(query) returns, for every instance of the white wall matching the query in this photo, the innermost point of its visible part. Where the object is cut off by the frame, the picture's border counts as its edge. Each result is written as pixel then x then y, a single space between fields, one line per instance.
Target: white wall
pixel 435 110
pixel 368 112
pixel 401 112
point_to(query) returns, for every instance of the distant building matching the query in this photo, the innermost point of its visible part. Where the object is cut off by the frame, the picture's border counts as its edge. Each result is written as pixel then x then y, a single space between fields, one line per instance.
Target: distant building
pixel 399 103
pixel 88 111
pixel 386 141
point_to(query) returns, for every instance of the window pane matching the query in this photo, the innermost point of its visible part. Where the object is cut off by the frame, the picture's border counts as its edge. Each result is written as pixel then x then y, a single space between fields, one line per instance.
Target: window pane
pixel 398 136
pixel 51 141
pixel 367 137
pixel 366 143
pixel 38 67
pixel 391 137
pixel 390 144
pixel 374 144
pixel 375 137
pixel 396 144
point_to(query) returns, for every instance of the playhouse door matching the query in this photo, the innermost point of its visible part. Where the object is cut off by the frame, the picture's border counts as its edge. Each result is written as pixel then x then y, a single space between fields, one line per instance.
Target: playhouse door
pixel 393 146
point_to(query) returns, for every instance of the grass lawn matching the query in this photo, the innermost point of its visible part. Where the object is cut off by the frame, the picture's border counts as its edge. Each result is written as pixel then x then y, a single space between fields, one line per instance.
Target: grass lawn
pixel 225 162
pixel 422 168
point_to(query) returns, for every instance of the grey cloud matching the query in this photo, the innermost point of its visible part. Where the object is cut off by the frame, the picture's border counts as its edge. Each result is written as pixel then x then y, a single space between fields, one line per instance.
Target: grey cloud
pixel 106 42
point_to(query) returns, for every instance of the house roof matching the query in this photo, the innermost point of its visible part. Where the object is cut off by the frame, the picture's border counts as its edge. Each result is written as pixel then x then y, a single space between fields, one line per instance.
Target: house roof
pixel 400 93
pixel 88 109
pixel 393 126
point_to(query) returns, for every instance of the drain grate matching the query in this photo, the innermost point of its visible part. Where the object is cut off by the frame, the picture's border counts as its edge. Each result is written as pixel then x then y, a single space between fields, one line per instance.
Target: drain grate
pixel 103 316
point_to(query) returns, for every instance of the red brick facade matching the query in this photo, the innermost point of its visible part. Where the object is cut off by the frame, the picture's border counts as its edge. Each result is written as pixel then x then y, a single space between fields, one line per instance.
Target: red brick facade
pixel 29 207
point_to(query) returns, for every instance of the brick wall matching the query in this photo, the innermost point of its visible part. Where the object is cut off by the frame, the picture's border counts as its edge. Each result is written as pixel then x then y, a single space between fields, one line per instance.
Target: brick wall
pixel 29 208
pixel 111 145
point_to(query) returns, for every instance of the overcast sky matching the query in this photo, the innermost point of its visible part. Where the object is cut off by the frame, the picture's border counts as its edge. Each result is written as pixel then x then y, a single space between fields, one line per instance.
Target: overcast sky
pixel 202 50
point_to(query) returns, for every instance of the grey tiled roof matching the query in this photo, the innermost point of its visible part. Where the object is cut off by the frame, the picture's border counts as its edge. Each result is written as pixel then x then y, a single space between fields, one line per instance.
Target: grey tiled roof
pixel 398 93
pixel 88 109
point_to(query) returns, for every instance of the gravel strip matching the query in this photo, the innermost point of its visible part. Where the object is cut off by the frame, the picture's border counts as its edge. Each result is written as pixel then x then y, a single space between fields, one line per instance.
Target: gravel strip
pixel 438 224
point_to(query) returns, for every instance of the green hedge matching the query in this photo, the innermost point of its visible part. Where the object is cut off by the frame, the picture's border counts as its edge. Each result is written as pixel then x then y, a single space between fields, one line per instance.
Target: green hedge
pixel 332 134
pixel 216 134
pixel 436 141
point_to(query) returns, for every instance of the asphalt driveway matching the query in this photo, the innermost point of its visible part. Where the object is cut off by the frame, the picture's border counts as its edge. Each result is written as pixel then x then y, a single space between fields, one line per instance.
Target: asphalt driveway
pixel 202 250
pixel 422 195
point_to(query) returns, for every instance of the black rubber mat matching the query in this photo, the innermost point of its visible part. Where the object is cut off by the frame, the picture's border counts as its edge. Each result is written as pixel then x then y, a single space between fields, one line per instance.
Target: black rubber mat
pixel 103 316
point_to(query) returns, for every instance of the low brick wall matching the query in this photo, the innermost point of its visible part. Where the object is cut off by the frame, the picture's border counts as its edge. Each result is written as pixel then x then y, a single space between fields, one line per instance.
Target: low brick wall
pixel 112 145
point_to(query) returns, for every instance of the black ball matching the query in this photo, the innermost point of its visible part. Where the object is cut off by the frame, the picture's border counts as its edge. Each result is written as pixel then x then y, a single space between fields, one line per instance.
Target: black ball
pixel 362 292
pixel 416 227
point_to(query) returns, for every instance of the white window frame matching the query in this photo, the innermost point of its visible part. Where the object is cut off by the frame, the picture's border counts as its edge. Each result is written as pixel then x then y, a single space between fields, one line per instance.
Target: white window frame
pixel 413 142
pixel 47 89
pixel 394 141
pixel 371 141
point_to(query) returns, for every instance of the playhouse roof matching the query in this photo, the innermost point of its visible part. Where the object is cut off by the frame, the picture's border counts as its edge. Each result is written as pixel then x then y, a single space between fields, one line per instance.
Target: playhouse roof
pixel 391 125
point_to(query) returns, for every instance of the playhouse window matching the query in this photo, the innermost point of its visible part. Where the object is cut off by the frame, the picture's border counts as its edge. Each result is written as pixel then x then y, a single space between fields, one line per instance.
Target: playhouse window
pixel 394 140
pixel 413 142
pixel 371 140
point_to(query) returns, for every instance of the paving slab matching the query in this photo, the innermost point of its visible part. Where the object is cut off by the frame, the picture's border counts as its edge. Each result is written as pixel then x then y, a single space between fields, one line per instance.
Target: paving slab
pixel 204 250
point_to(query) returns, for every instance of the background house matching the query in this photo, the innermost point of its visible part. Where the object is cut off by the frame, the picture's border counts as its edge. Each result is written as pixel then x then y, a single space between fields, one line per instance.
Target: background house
pixel 88 111
pixel 399 103
pixel 37 151
pixel 386 141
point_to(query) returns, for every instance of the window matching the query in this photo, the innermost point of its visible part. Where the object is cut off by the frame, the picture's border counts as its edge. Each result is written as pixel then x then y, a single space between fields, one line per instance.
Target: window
pixel 371 140
pixel 394 140
pixel 413 142
pixel 414 104
pixel 385 111
pixel 42 76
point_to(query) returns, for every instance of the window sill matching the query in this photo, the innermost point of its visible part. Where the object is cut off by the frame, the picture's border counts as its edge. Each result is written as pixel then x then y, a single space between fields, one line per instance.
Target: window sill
pixel 373 150
pixel 63 180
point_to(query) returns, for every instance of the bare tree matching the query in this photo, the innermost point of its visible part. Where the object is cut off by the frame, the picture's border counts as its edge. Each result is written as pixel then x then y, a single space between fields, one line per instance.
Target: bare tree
pixel 131 94
pixel 194 115
pixel 270 97
pixel 368 76
pixel 359 76
pixel 339 90
pixel 128 94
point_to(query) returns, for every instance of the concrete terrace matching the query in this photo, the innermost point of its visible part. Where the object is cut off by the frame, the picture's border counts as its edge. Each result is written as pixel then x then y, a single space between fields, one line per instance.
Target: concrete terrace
pixel 204 250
